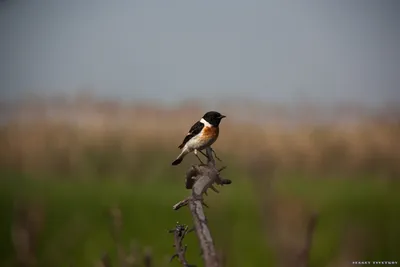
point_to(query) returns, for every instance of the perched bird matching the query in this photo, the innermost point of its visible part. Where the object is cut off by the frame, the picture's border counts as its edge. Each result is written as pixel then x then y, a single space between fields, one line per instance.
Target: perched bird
pixel 201 135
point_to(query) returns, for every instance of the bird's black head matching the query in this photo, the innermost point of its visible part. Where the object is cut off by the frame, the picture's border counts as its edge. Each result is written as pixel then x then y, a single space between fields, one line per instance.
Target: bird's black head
pixel 213 118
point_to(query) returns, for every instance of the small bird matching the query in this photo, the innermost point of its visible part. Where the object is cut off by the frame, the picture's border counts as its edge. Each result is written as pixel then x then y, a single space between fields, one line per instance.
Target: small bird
pixel 201 135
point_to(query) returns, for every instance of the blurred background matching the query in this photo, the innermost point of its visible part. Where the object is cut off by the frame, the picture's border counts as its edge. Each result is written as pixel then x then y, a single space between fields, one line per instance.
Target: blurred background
pixel 97 95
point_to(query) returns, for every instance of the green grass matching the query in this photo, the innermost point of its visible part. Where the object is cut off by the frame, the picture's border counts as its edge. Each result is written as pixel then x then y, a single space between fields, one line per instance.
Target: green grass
pixel 372 205
pixel 77 221
pixel 77 225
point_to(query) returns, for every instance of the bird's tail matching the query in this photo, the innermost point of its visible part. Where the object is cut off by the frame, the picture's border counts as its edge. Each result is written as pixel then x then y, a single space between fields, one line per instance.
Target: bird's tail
pixel 179 159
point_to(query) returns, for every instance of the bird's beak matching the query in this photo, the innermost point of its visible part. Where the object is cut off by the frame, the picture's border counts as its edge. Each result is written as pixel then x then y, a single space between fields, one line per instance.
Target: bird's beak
pixel 222 116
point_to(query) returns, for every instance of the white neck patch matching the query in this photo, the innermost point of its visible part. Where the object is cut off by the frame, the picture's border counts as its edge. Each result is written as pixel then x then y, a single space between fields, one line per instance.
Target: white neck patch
pixel 206 123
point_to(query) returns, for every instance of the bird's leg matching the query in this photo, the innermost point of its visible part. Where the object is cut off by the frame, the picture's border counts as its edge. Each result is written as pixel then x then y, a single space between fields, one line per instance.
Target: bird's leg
pixel 195 152
pixel 215 154
pixel 213 151
pixel 205 155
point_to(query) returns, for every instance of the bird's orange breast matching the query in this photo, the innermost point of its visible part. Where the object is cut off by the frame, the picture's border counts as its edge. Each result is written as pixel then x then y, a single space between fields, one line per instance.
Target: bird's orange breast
pixel 210 132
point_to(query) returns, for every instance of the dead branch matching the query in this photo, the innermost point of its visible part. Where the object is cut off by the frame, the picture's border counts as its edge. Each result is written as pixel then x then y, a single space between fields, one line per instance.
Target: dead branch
pixel 180 232
pixel 200 178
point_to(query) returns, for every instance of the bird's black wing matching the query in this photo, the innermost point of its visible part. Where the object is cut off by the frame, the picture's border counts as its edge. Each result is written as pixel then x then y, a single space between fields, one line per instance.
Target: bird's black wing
pixel 194 130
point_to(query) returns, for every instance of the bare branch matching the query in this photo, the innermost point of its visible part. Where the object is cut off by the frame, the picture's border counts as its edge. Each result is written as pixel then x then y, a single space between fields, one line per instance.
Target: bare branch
pixel 181 204
pixel 200 178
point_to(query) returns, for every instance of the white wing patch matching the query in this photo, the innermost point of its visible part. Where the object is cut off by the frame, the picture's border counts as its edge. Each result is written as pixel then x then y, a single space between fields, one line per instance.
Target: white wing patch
pixel 206 123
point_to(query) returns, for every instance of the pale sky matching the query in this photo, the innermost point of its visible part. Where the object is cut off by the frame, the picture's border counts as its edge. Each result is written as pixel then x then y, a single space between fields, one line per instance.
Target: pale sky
pixel 273 51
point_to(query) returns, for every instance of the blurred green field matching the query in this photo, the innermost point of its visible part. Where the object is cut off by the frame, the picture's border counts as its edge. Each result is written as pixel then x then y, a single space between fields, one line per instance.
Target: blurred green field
pixel 76 229
pixel 60 180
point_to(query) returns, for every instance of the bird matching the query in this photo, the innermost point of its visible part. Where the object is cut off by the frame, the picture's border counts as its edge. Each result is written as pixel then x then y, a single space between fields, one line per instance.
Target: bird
pixel 201 135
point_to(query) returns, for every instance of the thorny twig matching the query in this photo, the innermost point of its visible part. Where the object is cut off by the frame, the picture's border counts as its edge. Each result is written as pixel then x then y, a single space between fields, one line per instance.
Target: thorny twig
pixel 179 234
